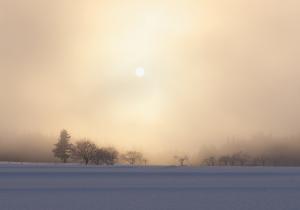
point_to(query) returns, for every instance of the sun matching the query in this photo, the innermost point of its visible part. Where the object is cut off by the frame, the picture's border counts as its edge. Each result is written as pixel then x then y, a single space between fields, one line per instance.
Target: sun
pixel 140 72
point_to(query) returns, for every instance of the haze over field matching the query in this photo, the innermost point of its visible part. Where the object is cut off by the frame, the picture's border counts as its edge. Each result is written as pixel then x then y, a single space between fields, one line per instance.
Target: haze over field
pixel 212 69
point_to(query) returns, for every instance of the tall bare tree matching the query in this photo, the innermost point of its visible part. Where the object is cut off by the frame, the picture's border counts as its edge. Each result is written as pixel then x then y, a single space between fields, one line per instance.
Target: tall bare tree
pixel 84 150
pixel 132 157
pixel 62 149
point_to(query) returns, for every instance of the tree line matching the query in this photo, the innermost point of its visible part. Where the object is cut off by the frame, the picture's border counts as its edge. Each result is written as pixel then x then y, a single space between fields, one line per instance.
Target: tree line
pixel 259 150
pixel 88 152
pixel 244 159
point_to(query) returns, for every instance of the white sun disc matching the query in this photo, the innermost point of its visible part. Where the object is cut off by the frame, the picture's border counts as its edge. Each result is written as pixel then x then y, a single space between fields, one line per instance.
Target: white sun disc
pixel 140 72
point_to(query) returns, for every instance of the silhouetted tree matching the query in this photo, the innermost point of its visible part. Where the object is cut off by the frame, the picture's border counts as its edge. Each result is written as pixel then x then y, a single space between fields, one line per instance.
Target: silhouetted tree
pixel 225 160
pixel 62 148
pixel 181 159
pixel 84 150
pixel 210 161
pixel 106 156
pixel 260 160
pixel 239 158
pixel 145 161
pixel 132 157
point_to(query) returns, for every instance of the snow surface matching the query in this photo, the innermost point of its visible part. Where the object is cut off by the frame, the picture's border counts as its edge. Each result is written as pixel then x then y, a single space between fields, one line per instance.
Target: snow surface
pixel 74 187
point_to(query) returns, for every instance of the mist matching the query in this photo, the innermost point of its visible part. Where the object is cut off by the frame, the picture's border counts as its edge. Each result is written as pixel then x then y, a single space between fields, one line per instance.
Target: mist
pixel 213 70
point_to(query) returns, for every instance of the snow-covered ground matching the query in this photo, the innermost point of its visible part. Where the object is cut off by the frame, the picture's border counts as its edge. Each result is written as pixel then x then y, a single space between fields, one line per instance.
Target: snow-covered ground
pixel 73 187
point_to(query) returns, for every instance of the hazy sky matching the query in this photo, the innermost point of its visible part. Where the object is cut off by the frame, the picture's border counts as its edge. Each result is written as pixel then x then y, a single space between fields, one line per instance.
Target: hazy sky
pixel 213 69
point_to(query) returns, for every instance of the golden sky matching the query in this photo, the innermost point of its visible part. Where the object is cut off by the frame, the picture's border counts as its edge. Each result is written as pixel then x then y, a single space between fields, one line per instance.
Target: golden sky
pixel 213 69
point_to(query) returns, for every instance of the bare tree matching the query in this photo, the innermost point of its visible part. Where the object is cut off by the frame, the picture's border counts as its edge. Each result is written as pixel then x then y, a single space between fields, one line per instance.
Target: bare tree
pixel 260 160
pixel 240 158
pixel 62 148
pixel 106 156
pixel 112 156
pixel 145 161
pixel 210 161
pixel 84 150
pixel 132 157
pixel 225 160
pixel 181 159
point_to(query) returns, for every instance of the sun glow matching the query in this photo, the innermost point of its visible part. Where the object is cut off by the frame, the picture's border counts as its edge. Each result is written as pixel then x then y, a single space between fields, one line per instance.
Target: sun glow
pixel 140 72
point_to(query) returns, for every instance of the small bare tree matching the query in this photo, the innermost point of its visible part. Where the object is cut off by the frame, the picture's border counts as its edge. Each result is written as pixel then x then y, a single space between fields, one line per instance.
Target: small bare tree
pixel 210 161
pixel 181 159
pixel 106 156
pixel 260 160
pixel 62 148
pixel 132 157
pixel 84 150
pixel 145 161
pixel 225 160
pixel 240 158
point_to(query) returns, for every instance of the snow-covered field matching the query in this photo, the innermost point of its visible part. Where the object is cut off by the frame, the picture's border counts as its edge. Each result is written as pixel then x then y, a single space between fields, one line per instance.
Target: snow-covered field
pixel 45 186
